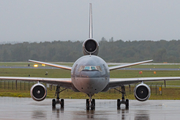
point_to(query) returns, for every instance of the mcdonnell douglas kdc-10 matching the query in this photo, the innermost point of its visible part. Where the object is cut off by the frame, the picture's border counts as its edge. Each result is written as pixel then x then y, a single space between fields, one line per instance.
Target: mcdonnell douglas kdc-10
pixel 90 74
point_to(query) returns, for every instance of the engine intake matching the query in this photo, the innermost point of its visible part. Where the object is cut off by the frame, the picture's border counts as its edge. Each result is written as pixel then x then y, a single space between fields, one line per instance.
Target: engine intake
pixel 90 46
pixel 38 92
pixel 142 92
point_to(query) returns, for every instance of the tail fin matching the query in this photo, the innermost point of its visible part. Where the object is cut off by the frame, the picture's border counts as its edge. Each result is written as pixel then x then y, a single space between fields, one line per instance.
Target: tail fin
pixel 90 21
pixel 90 46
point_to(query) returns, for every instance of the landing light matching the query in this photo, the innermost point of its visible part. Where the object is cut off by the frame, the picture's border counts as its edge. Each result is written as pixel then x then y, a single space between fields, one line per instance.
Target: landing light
pixel 43 65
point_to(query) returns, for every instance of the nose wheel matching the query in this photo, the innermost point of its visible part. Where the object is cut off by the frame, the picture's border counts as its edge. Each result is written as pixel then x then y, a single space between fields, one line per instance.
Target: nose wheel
pixel 90 104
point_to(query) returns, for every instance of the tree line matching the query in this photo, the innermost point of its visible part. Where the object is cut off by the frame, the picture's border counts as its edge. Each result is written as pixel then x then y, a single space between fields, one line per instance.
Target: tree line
pixel 110 51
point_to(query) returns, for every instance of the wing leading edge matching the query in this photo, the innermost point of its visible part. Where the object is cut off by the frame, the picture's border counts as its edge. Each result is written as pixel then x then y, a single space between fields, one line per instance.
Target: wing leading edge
pixel 115 82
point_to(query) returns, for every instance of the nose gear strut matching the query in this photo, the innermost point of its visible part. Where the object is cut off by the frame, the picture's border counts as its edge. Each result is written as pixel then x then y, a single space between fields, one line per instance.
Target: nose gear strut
pixel 90 104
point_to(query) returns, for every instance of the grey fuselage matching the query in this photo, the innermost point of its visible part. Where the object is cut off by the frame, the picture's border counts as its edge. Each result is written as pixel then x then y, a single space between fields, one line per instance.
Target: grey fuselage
pixel 90 81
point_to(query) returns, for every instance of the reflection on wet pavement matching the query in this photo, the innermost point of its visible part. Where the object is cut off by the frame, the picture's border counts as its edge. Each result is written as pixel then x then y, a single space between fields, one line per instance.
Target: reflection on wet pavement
pixel 38 115
pixel 141 115
pixel 26 108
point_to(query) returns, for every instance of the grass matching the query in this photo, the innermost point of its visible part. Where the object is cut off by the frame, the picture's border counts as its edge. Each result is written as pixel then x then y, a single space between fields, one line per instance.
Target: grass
pixel 156 66
pixel 52 73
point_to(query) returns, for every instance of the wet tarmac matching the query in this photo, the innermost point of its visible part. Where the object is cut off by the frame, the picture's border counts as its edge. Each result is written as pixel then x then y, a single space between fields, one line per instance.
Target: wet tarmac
pixel 27 109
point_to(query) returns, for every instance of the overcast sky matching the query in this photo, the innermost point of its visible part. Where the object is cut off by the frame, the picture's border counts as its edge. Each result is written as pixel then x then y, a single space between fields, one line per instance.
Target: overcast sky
pixel 49 20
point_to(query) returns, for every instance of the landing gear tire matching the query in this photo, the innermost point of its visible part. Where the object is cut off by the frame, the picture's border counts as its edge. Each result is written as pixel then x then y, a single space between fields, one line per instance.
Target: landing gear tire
pixel 53 103
pixel 87 104
pixel 62 103
pixel 118 103
pixel 127 104
pixel 93 104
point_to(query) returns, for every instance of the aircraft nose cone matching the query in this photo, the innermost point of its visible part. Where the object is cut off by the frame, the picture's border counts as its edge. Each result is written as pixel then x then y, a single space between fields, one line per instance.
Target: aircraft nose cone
pixel 90 85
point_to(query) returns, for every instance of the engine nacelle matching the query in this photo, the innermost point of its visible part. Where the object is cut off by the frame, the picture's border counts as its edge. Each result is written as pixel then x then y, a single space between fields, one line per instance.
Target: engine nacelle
pixel 38 92
pixel 90 47
pixel 142 92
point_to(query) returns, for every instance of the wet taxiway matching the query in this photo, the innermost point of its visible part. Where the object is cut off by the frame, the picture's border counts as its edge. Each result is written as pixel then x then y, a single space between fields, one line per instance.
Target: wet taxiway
pixel 27 109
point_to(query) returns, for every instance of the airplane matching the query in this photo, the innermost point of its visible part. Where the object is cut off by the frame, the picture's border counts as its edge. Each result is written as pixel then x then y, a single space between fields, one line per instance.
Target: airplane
pixel 90 74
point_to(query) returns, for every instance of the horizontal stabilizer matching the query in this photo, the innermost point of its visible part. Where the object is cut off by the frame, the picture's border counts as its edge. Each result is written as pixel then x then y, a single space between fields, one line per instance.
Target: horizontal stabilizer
pixel 128 65
pixel 51 64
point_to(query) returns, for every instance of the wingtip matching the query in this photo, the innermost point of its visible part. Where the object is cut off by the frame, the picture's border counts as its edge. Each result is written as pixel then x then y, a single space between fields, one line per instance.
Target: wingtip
pixel 149 60
pixel 29 60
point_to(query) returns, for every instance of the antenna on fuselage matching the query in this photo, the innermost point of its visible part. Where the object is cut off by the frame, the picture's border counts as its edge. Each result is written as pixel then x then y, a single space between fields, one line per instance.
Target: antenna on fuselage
pixel 90 21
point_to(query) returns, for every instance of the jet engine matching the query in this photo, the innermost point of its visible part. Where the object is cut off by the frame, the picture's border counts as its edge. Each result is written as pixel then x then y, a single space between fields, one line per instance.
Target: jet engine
pixel 38 92
pixel 90 47
pixel 142 92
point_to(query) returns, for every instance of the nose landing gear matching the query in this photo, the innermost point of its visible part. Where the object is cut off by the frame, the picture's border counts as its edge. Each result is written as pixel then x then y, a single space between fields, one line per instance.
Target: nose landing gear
pixel 90 104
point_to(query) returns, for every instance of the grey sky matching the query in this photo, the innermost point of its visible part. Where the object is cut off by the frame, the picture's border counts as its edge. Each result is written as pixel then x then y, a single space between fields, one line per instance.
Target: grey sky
pixel 48 20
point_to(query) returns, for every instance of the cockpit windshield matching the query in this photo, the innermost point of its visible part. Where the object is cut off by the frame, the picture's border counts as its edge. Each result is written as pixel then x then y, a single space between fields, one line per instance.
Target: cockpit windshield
pixel 90 68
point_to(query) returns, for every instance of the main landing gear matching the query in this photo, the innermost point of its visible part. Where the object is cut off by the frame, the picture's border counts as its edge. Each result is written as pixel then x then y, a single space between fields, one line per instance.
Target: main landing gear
pixel 57 100
pixel 119 102
pixel 90 104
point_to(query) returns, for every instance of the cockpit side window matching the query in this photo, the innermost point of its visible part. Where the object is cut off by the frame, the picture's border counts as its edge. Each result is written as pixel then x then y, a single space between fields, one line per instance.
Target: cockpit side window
pixel 99 68
pixel 81 68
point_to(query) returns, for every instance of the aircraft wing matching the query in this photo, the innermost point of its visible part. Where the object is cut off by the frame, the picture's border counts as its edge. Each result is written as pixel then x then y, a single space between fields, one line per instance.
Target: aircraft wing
pixel 128 65
pixel 115 82
pixel 51 64
pixel 64 82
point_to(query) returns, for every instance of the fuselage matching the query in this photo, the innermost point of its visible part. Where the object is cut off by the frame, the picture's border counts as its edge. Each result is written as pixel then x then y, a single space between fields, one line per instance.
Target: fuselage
pixel 90 74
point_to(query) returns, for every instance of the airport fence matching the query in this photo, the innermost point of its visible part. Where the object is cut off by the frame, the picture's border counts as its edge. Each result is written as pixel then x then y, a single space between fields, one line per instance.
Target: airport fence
pixel 21 85
pixel 156 88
